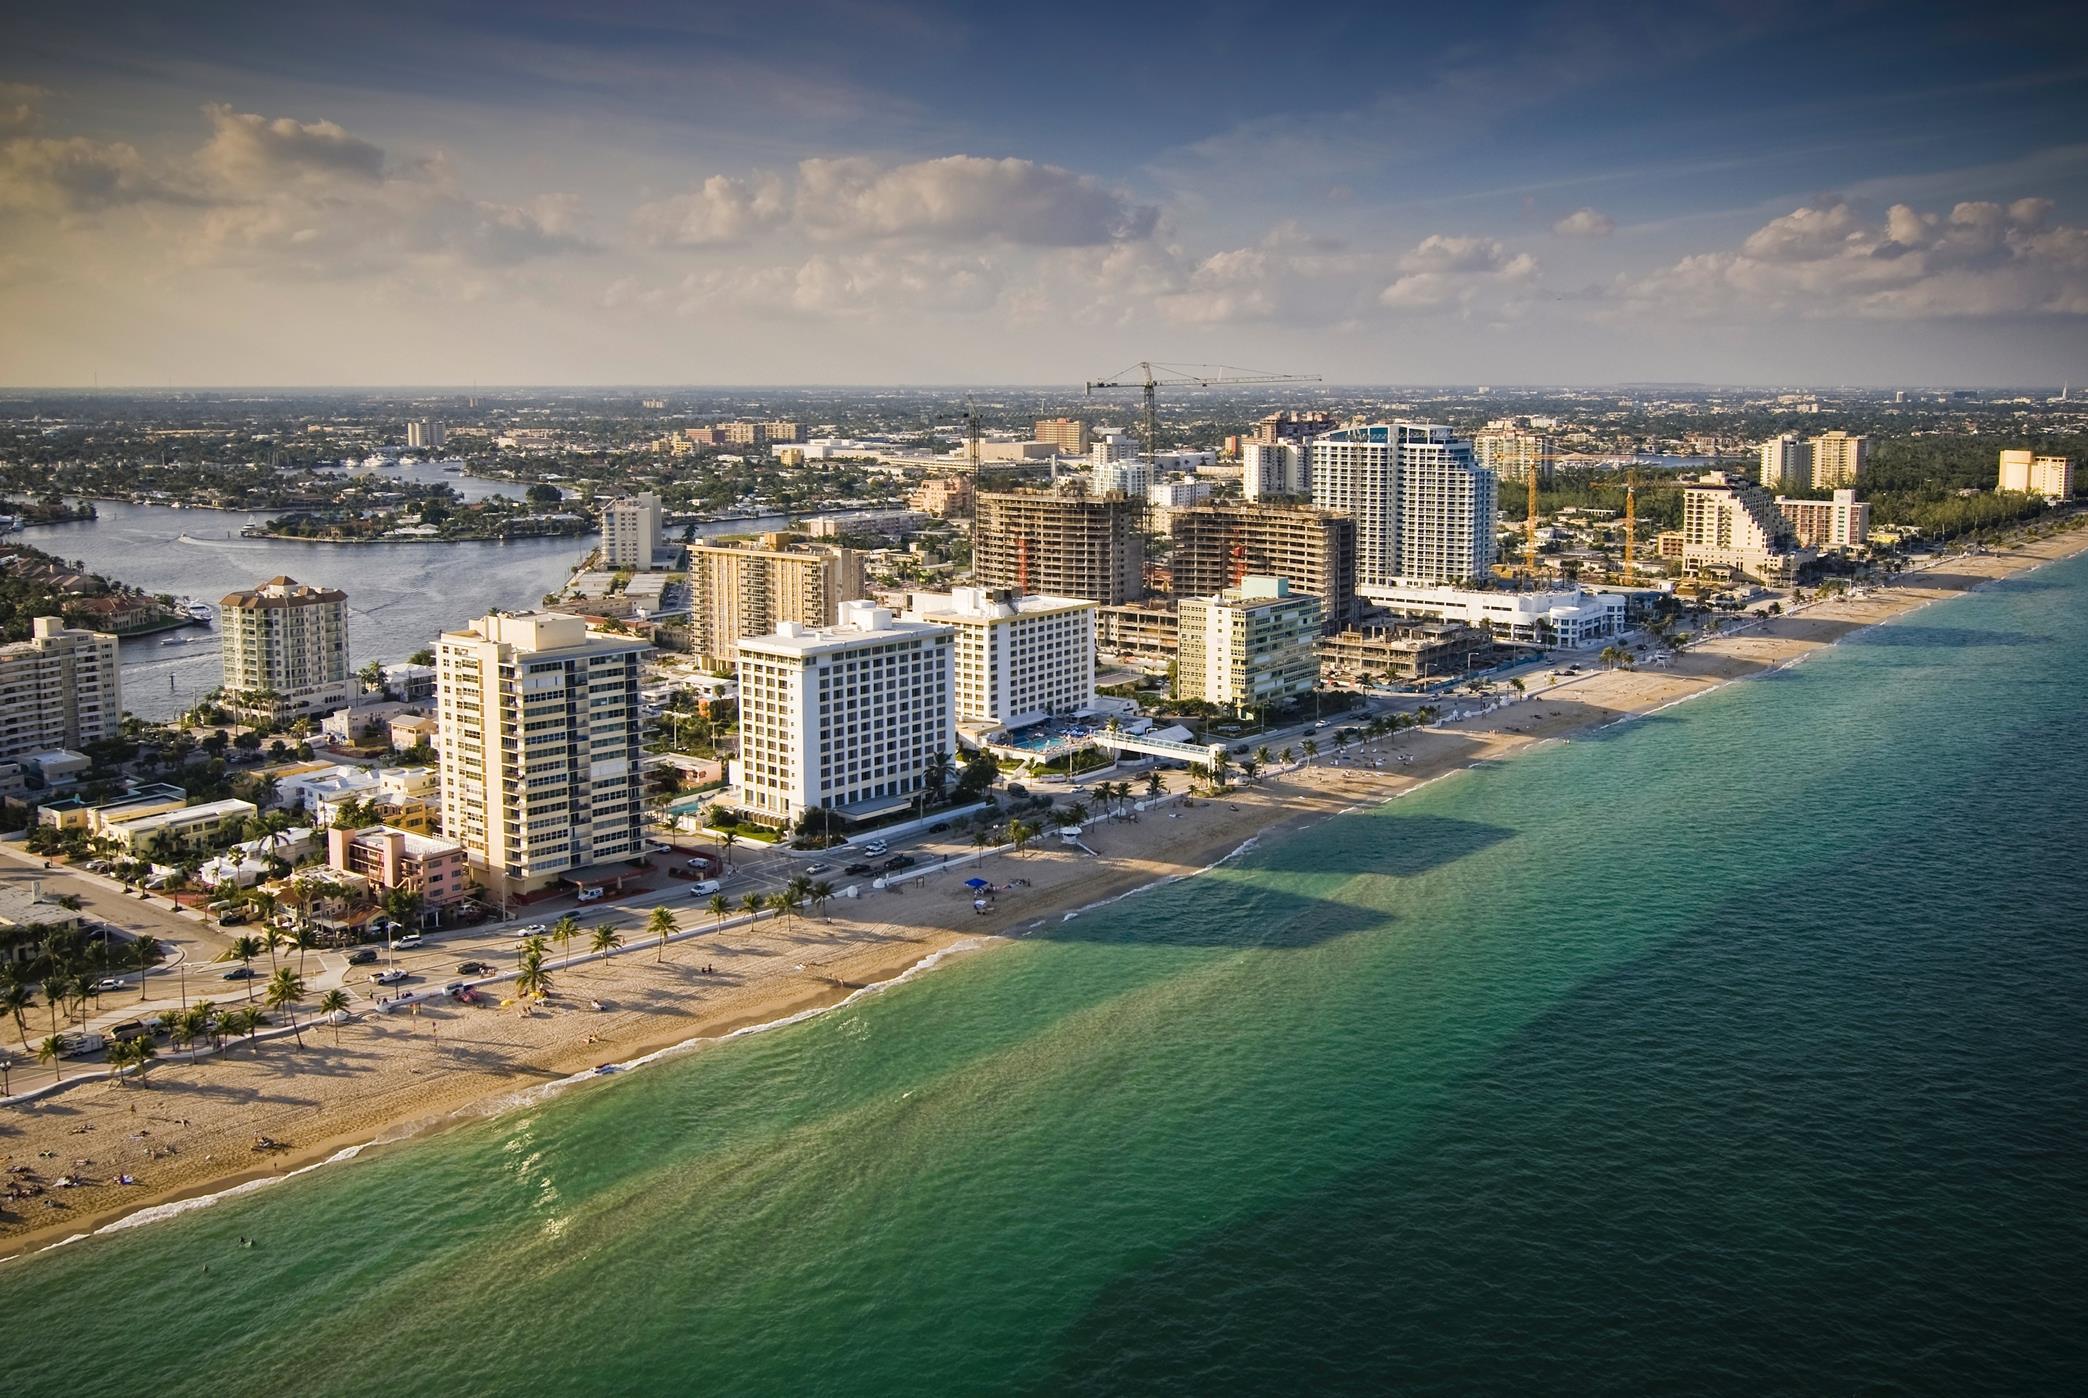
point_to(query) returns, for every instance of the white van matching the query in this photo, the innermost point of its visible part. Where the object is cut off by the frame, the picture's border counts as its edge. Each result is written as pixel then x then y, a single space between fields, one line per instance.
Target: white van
pixel 703 888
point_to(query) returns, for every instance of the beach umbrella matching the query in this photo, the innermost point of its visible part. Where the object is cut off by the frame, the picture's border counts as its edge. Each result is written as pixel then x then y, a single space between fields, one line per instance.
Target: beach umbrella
pixel 977 883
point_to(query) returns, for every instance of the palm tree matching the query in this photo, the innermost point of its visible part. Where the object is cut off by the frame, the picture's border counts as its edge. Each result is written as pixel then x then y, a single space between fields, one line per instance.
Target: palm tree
pixel 51 1052
pixel 822 894
pixel 782 905
pixel 1020 833
pixel 1311 748
pixel 285 989
pixel 1220 769
pixel 1263 756
pixel 138 1052
pixel 199 1021
pixel 333 1005
pixel 727 841
pixel 606 940
pixel 14 999
pixel 982 839
pixel 1250 767
pixel 661 924
pixel 719 905
pixel 276 937
pixel 1156 785
pixel 752 903
pixel 403 906
pixel 305 940
pixel 167 1022
pixel 532 981
pixel 145 954
pixel 563 931
pixel 244 950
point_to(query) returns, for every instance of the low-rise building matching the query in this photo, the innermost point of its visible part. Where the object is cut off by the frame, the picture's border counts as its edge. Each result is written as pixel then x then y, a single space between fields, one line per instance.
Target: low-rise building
pixel 203 825
pixel 1406 650
pixel 1249 646
pixel 945 497
pixel 1143 635
pixel 437 869
pixel 1569 618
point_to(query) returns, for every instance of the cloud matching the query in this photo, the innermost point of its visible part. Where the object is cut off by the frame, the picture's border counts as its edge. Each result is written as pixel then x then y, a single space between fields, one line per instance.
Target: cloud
pixel 723 211
pixel 1443 271
pixel 247 151
pixel 1585 223
pixel 876 282
pixel 1825 261
pixel 74 175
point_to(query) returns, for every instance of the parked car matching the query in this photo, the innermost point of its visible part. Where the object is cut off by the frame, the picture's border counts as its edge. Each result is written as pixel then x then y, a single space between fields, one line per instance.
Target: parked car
pixel 939 827
pixel 232 918
pixel 109 983
pixel 362 956
pixel 854 870
pixel 593 895
pixel 128 1030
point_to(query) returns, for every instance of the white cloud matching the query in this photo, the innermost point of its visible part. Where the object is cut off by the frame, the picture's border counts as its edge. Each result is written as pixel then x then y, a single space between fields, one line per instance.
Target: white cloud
pixel 1826 261
pixel 845 285
pixel 75 175
pixel 1585 223
pixel 248 152
pixel 1442 271
pixel 723 211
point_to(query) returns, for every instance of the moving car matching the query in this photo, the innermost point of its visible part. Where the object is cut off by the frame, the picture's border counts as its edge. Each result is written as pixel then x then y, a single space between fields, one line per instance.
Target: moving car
pixel 473 968
pixel 900 861
pixel 854 870
pixel 411 939
pixel 703 886
pixel 240 973
pixel 819 868
pixel 535 929
pixel 875 847
pixel 390 976
pixel 939 827
pixel 362 956
pixel 109 983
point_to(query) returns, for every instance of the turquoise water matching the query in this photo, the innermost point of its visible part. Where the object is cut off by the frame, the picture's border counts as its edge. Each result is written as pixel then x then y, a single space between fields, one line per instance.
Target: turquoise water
pixel 1736 1049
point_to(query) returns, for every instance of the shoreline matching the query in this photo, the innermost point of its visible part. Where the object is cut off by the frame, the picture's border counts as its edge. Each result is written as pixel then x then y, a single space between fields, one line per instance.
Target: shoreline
pixel 388 1081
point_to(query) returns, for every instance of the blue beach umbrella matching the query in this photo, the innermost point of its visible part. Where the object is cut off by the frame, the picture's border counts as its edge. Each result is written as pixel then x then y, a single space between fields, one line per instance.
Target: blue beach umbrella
pixel 977 883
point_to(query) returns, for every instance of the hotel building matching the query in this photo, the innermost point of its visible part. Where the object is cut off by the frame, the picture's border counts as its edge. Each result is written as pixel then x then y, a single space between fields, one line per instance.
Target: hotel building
pixel 1841 523
pixel 1423 506
pixel 1015 660
pixel 1068 435
pixel 2037 474
pixel 286 649
pixel 1249 646
pixel 1728 523
pixel 741 591
pixel 1512 453
pixel 435 869
pixel 1060 545
pixel 1787 462
pixel 58 689
pixel 847 718
pixel 539 748
pixel 1569 618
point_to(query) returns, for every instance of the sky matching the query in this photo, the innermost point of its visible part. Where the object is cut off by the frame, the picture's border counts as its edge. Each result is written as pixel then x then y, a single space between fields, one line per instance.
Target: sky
pixel 445 192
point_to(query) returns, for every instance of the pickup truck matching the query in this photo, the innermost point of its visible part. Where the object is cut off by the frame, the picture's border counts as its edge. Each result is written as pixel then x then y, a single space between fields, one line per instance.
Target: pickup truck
pixel 391 976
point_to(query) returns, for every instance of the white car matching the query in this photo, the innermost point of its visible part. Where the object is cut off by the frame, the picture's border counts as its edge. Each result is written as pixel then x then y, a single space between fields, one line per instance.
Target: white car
pixel 592 895
pixel 389 977
pixel 875 847
pixel 411 939
pixel 535 929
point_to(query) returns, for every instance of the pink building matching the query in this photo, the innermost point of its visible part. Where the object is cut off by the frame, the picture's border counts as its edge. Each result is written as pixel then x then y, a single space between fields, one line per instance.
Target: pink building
pixel 390 859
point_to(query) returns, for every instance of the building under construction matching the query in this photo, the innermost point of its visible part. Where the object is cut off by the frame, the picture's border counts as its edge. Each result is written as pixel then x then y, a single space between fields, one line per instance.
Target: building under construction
pixel 1061 544
pixel 1215 546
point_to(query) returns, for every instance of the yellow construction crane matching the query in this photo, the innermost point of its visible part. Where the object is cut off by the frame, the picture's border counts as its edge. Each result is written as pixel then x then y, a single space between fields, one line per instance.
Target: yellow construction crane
pixel 1146 377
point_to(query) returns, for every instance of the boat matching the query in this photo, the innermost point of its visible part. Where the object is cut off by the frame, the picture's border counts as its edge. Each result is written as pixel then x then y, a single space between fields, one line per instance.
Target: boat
pixel 175 641
pixel 199 611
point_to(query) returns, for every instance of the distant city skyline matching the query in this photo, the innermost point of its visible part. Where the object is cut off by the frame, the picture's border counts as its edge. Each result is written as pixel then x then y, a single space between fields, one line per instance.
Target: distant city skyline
pixel 840 193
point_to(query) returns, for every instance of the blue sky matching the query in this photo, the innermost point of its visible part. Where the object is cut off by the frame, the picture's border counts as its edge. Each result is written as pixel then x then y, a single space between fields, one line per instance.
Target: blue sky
pixel 863 191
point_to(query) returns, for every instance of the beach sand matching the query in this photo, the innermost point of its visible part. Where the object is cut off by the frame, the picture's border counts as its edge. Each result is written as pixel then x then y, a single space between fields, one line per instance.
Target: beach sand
pixel 383 1078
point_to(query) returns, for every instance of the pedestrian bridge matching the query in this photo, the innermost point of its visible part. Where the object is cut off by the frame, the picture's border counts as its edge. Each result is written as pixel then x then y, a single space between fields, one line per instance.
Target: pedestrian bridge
pixel 1196 754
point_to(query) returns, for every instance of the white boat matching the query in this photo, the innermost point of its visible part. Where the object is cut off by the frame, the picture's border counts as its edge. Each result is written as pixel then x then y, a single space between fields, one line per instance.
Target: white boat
pixel 201 611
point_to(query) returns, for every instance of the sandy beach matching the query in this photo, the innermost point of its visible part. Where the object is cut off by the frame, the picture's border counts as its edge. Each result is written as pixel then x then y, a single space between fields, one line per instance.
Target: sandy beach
pixel 188 1129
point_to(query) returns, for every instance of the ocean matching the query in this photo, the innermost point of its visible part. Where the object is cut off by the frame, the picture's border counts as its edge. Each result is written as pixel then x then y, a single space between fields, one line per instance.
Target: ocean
pixel 1738 1048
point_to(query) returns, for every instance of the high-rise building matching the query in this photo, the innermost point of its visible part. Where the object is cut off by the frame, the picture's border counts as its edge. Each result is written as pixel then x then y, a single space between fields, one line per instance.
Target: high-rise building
pixel 539 747
pixel 1063 434
pixel 1112 446
pixel 631 532
pixel 1728 523
pixel 848 718
pixel 2034 473
pixel 1512 453
pixel 1128 477
pixel 946 497
pixel 1841 523
pixel 1787 462
pixel 1017 660
pixel 1061 545
pixel 736 591
pixel 424 432
pixel 285 649
pixel 1838 459
pixel 1423 505
pixel 1276 470
pixel 1249 646
pixel 1290 427
pixel 1314 550
pixel 58 689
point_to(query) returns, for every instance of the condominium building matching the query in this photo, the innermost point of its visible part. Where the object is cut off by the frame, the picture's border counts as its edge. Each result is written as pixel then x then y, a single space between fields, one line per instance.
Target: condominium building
pixel 1838 459
pixel 1787 462
pixel 1276 470
pixel 1290 427
pixel 1570 618
pixel 1061 545
pixel 946 497
pixel 58 689
pixel 1512 454
pixel 1841 523
pixel 1728 523
pixel 631 532
pixel 436 869
pixel 1015 660
pixel 1314 550
pixel 424 433
pixel 1127 477
pixel 1110 445
pixel 848 718
pixel 539 748
pixel 2034 473
pixel 754 434
pixel 1249 646
pixel 1423 506
pixel 737 591
pixel 285 649
pixel 1063 434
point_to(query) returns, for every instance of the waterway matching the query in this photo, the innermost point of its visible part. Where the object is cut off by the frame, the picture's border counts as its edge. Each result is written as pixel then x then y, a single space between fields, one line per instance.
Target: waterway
pixel 1737 1049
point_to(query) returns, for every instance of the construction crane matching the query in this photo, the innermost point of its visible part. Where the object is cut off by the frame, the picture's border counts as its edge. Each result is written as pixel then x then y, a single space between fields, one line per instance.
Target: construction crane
pixel 1147 377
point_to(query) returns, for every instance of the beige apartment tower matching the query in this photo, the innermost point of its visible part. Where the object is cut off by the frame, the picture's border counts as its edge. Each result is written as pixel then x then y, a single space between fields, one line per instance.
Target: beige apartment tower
pixel 286 649
pixel 58 689
pixel 2035 473
pixel 539 747
pixel 1060 545
pixel 736 592
pixel 1838 460
pixel 1066 435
